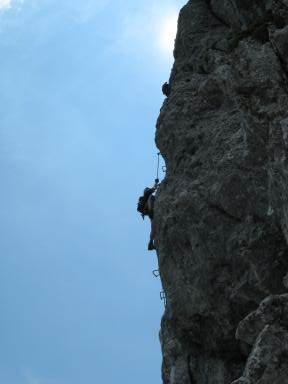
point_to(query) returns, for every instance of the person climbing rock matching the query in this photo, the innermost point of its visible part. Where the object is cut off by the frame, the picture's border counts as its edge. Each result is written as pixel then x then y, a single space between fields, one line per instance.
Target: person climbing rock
pixel 146 208
pixel 166 89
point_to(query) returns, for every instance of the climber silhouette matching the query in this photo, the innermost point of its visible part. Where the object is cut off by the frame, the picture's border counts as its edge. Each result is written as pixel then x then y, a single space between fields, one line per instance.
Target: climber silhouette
pixel 146 208
pixel 166 89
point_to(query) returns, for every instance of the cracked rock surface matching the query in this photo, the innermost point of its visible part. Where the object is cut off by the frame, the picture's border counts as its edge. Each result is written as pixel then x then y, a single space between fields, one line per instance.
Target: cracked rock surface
pixel 266 332
pixel 221 213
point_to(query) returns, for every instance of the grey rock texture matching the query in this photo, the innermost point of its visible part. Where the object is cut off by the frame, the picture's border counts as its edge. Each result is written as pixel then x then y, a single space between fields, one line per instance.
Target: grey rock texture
pixel 266 332
pixel 221 213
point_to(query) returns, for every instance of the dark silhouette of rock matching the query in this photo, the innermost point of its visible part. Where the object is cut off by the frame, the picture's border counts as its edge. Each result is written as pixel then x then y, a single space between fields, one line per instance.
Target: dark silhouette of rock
pixel 221 213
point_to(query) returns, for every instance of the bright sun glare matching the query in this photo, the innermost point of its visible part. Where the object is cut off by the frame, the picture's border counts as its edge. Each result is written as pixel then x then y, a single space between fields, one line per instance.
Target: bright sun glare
pixel 168 29
pixel 4 3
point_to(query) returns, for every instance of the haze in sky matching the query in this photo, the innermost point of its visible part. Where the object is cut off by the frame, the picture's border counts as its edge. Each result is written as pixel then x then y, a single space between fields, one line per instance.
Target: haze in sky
pixel 80 92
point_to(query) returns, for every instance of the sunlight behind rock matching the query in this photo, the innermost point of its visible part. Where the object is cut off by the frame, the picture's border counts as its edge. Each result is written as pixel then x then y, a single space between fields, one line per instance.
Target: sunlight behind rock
pixel 168 29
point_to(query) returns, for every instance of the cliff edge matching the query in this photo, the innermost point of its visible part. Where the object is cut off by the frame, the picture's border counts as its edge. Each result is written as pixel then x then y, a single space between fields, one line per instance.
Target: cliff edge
pixel 221 213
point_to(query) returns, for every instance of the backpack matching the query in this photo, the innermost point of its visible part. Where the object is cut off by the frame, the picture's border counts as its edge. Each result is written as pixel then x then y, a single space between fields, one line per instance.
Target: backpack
pixel 142 205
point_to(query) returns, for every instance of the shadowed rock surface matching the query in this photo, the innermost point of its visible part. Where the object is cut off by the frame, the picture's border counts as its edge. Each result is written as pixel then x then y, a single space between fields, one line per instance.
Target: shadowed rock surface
pixel 221 213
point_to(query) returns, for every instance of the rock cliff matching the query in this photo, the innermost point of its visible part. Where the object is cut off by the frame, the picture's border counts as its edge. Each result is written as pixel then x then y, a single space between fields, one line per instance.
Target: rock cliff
pixel 221 213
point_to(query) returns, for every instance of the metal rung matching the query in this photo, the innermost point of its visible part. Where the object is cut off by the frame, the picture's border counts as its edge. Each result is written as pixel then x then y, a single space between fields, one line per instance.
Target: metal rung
pixel 156 272
pixel 163 297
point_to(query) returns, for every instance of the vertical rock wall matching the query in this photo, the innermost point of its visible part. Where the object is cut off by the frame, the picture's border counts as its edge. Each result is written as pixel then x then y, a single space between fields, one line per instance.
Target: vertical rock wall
pixel 221 213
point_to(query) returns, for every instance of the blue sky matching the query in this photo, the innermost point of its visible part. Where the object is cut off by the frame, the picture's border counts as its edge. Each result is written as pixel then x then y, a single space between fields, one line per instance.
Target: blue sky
pixel 80 92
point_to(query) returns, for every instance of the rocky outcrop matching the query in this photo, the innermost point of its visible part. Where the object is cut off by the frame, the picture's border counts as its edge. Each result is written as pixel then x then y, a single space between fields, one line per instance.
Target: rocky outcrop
pixel 221 213
pixel 266 332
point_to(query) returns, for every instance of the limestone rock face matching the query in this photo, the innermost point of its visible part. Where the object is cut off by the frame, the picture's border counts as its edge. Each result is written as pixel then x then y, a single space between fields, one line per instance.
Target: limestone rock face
pixel 266 331
pixel 221 213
